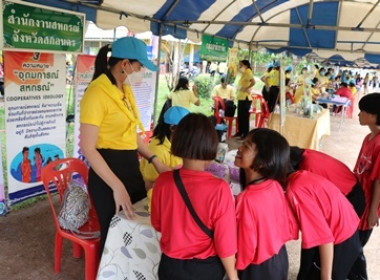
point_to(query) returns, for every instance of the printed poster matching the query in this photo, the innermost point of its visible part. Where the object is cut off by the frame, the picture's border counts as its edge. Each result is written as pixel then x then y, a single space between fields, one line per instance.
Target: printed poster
pixel 3 205
pixel 83 76
pixel 144 89
pixel 35 113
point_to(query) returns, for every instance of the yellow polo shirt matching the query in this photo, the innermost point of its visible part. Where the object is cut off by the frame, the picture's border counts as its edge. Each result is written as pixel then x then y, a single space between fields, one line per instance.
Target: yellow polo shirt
pixel 224 93
pixel 274 78
pixel 299 91
pixel 102 105
pixel 244 82
pixel 353 90
pixel 183 98
pixel 162 151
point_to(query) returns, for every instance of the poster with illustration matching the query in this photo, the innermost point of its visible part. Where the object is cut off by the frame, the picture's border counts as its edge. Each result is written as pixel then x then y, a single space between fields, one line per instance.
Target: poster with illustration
pixel 35 118
pixel 83 76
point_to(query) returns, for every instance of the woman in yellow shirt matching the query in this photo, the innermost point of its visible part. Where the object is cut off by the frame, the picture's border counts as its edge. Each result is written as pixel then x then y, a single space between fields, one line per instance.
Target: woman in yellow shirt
pixel 183 96
pixel 243 95
pixel 108 132
pixel 161 145
pixel 301 84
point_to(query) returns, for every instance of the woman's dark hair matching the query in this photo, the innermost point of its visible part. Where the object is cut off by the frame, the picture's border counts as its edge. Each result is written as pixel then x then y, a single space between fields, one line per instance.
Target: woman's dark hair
pixel 303 69
pixel 182 84
pixel 287 81
pixel 246 63
pixel 162 129
pixel 269 69
pixel 272 154
pixel 38 150
pixel 103 64
pixel 370 103
pixel 296 157
pixel 315 80
pixel 195 138
pixel 25 149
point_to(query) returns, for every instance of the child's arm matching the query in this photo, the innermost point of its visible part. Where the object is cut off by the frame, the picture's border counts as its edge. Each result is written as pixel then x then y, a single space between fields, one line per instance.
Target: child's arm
pixel 373 218
pixel 326 253
pixel 229 266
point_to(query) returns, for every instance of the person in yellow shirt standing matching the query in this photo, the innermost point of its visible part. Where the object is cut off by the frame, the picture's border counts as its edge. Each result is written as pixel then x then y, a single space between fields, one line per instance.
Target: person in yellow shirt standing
pixel 301 84
pixel 266 79
pixel 183 96
pixel 160 145
pixel 108 132
pixel 274 89
pixel 243 96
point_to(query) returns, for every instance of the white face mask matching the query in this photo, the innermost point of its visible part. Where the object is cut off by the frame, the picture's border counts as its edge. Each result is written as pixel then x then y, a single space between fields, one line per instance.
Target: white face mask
pixel 133 78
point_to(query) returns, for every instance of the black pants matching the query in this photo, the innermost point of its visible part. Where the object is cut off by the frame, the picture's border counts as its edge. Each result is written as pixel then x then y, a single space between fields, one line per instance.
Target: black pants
pixel 356 197
pixel 194 269
pixel 272 97
pixel 345 255
pixel 243 116
pixel 359 269
pixel 276 268
pixel 125 165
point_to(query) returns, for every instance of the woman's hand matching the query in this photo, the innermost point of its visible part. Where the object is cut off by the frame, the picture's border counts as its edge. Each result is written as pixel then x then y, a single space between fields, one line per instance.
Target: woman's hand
pixel 160 167
pixel 122 200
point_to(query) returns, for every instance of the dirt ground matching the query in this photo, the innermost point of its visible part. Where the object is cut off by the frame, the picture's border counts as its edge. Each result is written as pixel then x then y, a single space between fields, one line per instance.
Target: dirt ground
pixel 27 235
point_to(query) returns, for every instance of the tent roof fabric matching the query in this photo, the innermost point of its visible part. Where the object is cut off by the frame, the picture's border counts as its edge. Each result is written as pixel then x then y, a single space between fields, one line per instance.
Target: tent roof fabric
pixel 300 26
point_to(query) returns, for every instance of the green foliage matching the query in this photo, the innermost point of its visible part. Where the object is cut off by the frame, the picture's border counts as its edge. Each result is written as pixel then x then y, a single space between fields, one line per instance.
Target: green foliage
pixel 205 85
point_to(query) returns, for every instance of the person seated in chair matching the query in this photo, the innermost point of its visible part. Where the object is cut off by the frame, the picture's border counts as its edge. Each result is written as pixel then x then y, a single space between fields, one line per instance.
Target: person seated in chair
pixel 226 92
pixel 344 91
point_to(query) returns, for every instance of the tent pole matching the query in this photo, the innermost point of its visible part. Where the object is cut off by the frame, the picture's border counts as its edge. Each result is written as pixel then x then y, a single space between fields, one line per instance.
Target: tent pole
pixel 157 76
pixel 310 13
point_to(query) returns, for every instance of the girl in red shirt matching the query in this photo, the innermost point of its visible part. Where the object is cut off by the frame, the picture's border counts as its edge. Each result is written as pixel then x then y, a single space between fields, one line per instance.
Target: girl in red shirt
pixel 328 222
pixel 367 169
pixel 189 251
pixel 332 169
pixel 262 208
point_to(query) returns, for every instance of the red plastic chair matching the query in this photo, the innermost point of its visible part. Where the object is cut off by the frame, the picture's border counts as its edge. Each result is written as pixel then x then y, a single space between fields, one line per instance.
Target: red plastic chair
pixel 60 173
pixel 290 96
pixel 219 118
pixel 260 109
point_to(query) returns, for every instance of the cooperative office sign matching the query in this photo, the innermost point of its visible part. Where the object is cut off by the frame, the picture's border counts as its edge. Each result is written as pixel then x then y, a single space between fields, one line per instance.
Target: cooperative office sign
pixel 213 48
pixel 34 27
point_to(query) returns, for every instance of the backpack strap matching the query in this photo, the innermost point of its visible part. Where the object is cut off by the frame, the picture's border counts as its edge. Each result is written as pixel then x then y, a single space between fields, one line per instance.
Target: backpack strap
pixel 181 189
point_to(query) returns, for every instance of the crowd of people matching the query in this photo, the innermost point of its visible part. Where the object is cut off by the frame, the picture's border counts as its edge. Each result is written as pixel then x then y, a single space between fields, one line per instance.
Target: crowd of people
pixel 206 233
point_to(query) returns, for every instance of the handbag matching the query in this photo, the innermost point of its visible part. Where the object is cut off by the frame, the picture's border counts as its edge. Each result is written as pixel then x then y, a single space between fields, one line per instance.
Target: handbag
pixel 186 199
pixel 75 211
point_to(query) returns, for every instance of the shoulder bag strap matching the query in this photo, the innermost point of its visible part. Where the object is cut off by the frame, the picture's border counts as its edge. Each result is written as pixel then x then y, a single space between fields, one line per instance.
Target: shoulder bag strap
pixel 181 189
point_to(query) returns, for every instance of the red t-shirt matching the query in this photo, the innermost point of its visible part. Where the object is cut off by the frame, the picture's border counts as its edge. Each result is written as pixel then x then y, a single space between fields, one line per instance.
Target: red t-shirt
pixel 367 169
pixel 264 222
pixel 344 92
pixel 213 202
pixel 324 214
pixel 330 168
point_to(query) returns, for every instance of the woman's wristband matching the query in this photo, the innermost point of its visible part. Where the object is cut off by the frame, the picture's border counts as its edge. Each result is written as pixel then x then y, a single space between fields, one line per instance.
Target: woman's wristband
pixel 151 158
